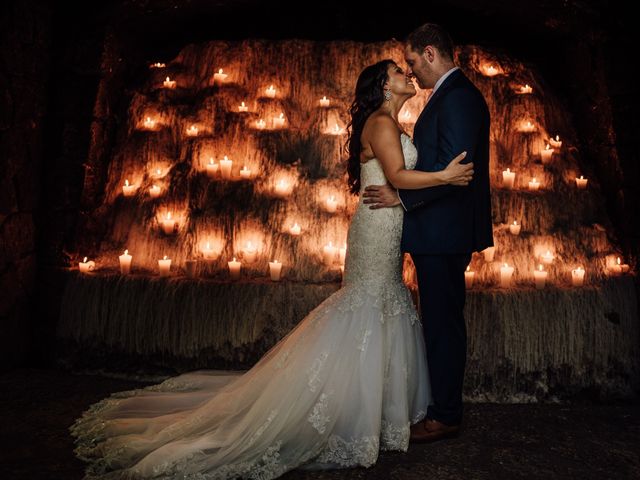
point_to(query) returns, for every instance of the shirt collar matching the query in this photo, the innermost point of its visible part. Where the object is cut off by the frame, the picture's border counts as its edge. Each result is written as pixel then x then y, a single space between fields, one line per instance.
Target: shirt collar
pixel 443 78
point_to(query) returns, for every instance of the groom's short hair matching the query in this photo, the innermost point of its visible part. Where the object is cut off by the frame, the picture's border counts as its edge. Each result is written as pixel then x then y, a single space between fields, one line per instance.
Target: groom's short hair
pixel 431 34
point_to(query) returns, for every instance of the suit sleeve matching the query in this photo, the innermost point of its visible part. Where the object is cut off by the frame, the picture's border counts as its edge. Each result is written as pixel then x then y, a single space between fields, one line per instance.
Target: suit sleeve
pixel 460 120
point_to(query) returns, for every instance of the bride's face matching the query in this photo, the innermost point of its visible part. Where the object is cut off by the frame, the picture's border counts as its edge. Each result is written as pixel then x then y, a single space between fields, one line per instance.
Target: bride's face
pixel 399 83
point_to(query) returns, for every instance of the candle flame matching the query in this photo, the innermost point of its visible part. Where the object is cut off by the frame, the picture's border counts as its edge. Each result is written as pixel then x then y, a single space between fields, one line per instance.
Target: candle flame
pixel 515 222
pixel 126 183
pixel 158 171
pixel 165 257
pixel 169 216
pixel 208 246
pixel 508 171
pixel 234 259
pixel 557 138
pixel 548 147
pixel 468 268
pixel 540 267
pixel 618 260
pixel 581 177
pixel 242 104
pixel 281 115
pixel 167 80
pixel 324 98
pixel 220 71
pixel 506 265
pixel 126 252
pixel 85 260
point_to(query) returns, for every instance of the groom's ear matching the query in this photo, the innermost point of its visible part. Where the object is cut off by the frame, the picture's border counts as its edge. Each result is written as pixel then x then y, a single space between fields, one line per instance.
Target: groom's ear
pixel 429 53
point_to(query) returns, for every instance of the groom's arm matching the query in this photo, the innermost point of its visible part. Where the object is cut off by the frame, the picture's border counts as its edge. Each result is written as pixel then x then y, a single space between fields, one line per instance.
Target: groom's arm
pixel 460 121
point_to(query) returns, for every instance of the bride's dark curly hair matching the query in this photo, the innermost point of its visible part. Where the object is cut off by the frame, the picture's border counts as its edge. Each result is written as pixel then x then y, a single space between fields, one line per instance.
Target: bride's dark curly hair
pixel 369 96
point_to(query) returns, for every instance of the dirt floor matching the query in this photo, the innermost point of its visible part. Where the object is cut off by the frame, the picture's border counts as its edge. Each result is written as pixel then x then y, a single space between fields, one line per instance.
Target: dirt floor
pixel 579 441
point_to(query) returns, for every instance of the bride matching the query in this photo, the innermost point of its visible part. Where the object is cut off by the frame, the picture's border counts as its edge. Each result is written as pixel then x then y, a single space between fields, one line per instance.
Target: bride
pixel 345 383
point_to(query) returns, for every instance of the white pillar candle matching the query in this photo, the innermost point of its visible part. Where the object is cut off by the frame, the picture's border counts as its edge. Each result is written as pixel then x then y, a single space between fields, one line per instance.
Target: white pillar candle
pixel 469 275
pixel 508 178
pixel 577 277
pixel 209 253
pixel 278 122
pixel 343 253
pixel 295 229
pixel 489 253
pixel 527 127
pixel 212 168
pixel 219 77
pixel 490 70
pixel 128 190
pixel 546 154
pixel 514 228
pixel 234 268
pixel 547 258
pixel 168 224
pixel 149 123
pixel 275 269
pixel 250 253
pixel 190 268
pixel 225 167
pixel 556 143
pixel 245 173
pixel 581 182
pixel 506 272
pixel 86 266
pixel 282 188
pixel 243 108
pixel 157 65
pixel 164 265
pixel 192 131
pixel 168 83
pixel 324 102
pixel 125 263
pixel 331 204
pixel 261 124
pixel 328 254
pixel 540 277
pixel 270 92
pixel 619 268
pixel 534 185
pixel 154 191
pixel 526 89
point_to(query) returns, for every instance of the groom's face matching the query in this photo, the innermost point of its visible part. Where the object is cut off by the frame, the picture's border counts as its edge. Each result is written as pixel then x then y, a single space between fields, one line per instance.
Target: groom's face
pixel 420 66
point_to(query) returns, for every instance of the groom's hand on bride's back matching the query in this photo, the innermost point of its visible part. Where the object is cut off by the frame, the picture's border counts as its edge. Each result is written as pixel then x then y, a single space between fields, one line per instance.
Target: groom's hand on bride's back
pixel 380 196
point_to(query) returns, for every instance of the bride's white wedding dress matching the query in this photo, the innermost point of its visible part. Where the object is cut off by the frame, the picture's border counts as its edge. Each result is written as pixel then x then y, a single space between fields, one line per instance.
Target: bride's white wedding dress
pixel 346 382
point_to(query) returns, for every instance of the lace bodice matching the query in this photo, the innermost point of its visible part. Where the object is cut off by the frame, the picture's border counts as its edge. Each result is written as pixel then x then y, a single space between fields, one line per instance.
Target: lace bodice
pixel 374 260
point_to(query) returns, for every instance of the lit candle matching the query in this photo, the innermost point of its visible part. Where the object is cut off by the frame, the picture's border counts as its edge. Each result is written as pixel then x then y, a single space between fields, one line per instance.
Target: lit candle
pixel 534 185
pixel 250 253
pixel 225 167
pixel 489 252
pixel 190 268
pixel 275 269
pixel 490 70
pixel 619 268
pixel 154 191
pixel 508 178
pixel 331 204
pixel 547 258
pixel 526 89
pixel 514 228
pixel 243 108
pixel 128 190
pixel 556 143
pixel 282 188
pixel 343 253
pixel 546 154
pixel 219 77
pixel 157 173
pixel 278 122
pixel 157 65
pixel 577 277
pixel 581 182
pixel 295 229
pixel 270 92
pixel 209 253
pixel 86 266
pixel 164 265
pixel 261 124
pixel 324 102
pixel 168 83
pixel 149 123
pixel 336 130
pixel 406 116
pixel 540 277
pixel 468 277
pixel 212 168
pixel 125 263
pixel 192 131
pixel 168 224
pixel 527 127
pixel 328 254
pixel 234 268
pixel 506 272
pixel 245 173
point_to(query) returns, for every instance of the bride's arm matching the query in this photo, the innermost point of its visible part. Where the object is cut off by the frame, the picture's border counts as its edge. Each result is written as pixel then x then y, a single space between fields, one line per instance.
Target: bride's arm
pixel 387 148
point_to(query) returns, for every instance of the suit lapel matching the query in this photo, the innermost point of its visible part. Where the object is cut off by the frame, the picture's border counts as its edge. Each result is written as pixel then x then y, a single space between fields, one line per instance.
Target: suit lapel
pixel 441 90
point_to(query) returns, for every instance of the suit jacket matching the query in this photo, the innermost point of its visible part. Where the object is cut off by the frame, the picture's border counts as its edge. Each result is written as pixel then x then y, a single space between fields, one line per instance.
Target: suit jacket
pixel 450 219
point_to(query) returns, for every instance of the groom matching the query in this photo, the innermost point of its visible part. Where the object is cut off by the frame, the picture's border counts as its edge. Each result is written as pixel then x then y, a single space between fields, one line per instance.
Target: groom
pixel 443 225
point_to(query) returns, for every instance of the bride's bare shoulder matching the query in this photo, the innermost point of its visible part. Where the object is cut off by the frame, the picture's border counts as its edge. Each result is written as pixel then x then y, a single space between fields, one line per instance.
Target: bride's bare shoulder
pixel 378 123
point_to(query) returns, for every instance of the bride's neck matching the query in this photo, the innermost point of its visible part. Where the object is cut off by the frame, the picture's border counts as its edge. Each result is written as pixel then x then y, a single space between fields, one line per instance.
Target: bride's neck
pixel 393 107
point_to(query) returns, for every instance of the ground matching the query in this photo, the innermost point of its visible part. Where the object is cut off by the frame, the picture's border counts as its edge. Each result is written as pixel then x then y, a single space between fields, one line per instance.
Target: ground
pixel 582 440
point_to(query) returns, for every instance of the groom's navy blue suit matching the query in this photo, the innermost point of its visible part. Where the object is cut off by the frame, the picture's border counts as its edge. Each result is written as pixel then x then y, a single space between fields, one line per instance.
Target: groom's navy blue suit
pixel 442 226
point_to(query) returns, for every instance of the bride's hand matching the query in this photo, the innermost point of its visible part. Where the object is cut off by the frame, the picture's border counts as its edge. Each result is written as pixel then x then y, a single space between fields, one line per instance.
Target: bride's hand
pixel 457 173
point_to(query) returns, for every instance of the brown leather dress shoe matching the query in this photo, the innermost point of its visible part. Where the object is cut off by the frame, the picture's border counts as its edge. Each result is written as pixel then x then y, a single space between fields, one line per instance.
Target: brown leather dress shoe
pixel 431 430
